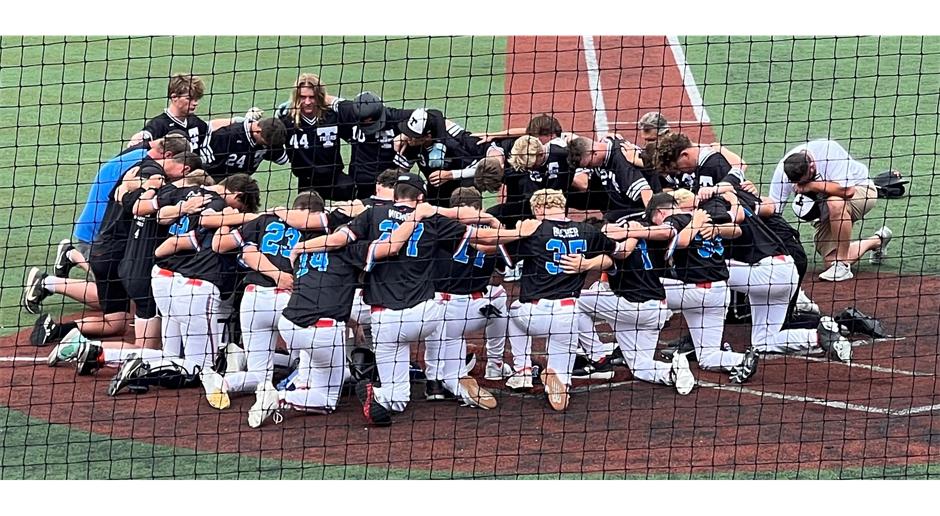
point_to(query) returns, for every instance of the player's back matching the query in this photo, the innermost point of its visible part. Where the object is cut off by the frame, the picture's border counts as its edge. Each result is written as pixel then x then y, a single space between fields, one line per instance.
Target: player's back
pixel 324 284
pixel 542 276
pixel 468 271
pixel 702 261
pixel 405 279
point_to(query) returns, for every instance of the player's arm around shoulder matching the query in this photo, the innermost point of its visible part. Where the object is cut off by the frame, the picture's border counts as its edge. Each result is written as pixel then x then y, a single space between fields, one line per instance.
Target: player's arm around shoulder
pixel 226 239
pixel 493 237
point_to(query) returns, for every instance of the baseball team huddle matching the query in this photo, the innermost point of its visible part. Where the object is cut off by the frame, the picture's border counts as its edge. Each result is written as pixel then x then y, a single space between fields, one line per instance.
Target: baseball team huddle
pixel 371 258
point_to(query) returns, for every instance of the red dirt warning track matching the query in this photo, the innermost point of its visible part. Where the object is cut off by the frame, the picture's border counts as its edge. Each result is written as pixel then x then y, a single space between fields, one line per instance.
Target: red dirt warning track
pixel 797 413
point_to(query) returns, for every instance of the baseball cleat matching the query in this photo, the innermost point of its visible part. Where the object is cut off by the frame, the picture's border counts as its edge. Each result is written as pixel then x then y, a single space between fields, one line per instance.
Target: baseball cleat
pixel 42 330
pixel 681 375
pixel 62 264
pixel 436 391
pixel 497 371
pixel 616 358
pixel 556 391
pixel 476 396
pixel 840 271
pixel 683 345
pixel 89 358
pixel 806 305
pixel 33 293
pixel 602 369
pixel 216 389
pixel 878 255
pixel 267 403
pixel 746 369
pixel 374 412
pixel 66 349
pixel 831 339
pixel 520 380
pixel 235 359
pixel 470 362
pixel 132 369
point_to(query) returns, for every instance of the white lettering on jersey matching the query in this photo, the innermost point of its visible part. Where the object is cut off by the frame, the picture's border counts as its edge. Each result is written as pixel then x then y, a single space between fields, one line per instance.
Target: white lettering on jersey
pixel 565 232
pixel 327 135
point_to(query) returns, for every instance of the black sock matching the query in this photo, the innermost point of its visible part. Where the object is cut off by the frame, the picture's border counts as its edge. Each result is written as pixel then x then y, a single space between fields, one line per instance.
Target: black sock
pixel 61 330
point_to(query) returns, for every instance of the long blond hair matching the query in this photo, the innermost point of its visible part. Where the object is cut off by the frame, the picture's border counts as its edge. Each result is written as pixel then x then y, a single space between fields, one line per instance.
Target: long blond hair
pixel 312 81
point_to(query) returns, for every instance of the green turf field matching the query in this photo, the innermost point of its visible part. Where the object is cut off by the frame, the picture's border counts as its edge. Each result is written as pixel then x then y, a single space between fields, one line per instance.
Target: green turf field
pixel 60 98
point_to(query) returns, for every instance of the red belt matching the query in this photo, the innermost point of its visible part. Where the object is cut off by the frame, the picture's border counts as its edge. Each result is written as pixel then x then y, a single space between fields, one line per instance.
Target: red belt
pixel 252 288
pixel 324 323
pixel 164 272
pixel 377 308
pixel 781 257
pixel 563 302
pixel 195 282
pixel 704 285
pixel 475 295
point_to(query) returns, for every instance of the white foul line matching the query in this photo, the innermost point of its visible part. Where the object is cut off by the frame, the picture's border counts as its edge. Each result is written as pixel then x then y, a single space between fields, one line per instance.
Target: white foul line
pixel 22 359
pixel 691 88
pixel 594 78
pixel 818 401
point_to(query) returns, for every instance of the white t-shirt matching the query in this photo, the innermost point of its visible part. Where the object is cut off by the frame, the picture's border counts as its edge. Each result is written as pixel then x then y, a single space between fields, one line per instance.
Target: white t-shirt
pixel 833 163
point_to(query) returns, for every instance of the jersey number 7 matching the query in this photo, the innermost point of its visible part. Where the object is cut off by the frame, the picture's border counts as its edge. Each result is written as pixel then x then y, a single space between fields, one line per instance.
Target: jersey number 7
pixel 559 248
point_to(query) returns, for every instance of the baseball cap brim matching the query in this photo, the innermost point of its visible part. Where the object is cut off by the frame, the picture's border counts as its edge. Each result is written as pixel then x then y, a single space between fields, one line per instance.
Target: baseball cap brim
pixel 374 126
pixel 413 180
pixel 405 130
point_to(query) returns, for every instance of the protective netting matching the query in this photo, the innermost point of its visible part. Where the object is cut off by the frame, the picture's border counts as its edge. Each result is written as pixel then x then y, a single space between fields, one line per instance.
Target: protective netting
pixel 468 257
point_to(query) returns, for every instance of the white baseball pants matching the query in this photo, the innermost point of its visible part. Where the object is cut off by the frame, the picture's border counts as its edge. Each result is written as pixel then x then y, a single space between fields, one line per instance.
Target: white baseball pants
pixel 323 363
pixel 636 327
pixel 260 310
pixel 769 285
pixel 554 319
pixel 194 306
pixel 394 331
pixel 446 348
pixel 161 284
pixel 704 306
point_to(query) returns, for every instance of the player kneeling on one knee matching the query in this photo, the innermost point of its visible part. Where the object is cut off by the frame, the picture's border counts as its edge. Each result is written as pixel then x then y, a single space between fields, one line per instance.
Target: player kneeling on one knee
pixel 636 309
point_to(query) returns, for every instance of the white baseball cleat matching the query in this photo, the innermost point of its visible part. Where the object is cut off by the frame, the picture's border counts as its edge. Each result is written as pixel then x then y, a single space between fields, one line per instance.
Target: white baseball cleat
pixel 475 396
pixel 216 388
pixel 67 349
pixel 806 305
pixel 681 374
pixel 235 359
pixel 878 255
pixel 556 391
pixel 266 405
pixel 520 380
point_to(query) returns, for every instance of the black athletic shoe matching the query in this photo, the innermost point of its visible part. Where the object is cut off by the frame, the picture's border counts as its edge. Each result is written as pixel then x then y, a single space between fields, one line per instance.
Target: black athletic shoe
pixel 616 358
pixel 41 331
pixel 746 369
pixel 90 358
pixel 600 370
pixel 683 345
pixel 374 412
pixel 416 373
pixel 62 264
pixel 581 366
pixel 132 369
pixel 33 293
pixel 436 391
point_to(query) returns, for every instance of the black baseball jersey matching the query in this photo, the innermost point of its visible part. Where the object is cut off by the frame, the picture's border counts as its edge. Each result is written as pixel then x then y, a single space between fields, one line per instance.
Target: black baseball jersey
pixel 757 240
pixel 146 234
pixel 622 181
pixel 313 145
pixel 712 168
pixel 467 271
pixel 220 269
pixel 161 125
pixel 232 149
pixel 553 173
pixel 404 280
pixel 275 239
pixel 370 154
pixel 637 278
pixel 542 276
pixel 460 151
pixel 324 285
pixel 188 225
pixel 116 221
pixel 702 261
pixel 368 202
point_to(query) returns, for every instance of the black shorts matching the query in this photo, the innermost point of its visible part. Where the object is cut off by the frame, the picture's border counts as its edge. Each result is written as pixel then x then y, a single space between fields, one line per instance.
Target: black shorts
pixel 136 284
pixel 111 294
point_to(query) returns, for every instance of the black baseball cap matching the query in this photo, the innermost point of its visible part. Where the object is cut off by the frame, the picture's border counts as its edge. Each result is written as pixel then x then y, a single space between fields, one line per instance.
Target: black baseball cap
pixel 415 126
pixel 370 111
pixel 413 180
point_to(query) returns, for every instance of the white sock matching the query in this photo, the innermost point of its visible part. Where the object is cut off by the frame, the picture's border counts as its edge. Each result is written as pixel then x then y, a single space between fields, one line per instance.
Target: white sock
pixel 68 255
pixel 49 283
